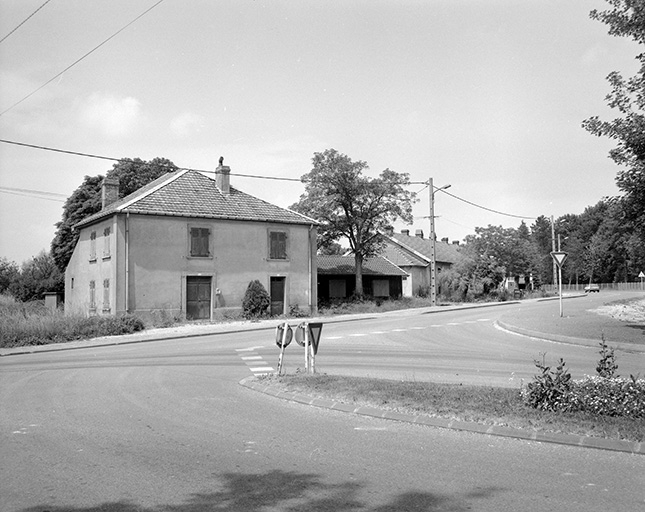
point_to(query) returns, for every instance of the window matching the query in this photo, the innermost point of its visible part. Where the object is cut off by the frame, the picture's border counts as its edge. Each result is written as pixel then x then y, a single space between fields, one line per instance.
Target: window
pixel 277 245
pixel 92 295
pixel 200 242
pixel 106 243
pixel 106 295
pixel 93 246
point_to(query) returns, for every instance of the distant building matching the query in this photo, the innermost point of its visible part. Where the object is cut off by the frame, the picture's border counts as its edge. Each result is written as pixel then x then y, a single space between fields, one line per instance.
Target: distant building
pixel 337 278
pixel 413 254
pixel 189 243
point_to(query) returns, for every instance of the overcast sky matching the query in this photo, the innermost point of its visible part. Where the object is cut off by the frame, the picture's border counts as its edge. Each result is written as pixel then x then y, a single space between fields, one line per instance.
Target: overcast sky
pixel 485 95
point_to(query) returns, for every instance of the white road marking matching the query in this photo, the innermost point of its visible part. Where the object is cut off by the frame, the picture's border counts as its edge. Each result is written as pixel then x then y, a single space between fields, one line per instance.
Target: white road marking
pixel 262 369
pixel 251 358
pixel 250 349
pixel 357 335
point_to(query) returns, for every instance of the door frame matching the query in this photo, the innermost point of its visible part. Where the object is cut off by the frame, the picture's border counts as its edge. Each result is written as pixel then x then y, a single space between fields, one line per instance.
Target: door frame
pixel 285 293
pixel 184 290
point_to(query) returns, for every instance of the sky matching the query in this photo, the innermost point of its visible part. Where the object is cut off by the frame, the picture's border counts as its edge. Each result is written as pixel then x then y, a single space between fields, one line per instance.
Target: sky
pixel 486 96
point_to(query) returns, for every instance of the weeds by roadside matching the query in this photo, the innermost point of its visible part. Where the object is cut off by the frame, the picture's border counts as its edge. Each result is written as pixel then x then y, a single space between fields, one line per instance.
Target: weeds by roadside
pixel 30 323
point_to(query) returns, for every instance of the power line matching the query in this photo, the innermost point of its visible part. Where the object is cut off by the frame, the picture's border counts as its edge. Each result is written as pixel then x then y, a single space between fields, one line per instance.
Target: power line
pixel 24 21
pixel 277 178
pixel 113 159
pixel 80 59
pixel 489 209
pixel 470 202
pixel 39 194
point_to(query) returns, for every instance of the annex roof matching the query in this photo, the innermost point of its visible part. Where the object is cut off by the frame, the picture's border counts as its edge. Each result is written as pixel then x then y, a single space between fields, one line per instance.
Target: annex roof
pixel 345 265
pixel 187 193
pixel 419 250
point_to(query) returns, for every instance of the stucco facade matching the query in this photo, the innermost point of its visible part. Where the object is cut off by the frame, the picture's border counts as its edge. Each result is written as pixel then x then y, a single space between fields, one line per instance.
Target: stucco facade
pixel 130 261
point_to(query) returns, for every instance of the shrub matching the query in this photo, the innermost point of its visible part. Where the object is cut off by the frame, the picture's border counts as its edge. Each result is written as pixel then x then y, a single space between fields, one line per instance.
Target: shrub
pixel 608 396
pixel 549 389
pixel 606 366
pixel 605 394
pixel 256 300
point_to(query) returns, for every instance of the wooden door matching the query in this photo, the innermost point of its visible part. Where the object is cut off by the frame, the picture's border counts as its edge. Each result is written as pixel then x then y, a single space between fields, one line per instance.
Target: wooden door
pixel 277 295
pixel 198 298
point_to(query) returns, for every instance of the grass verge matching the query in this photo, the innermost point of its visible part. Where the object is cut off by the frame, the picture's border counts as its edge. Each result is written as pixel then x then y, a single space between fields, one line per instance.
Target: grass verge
pixel 484 405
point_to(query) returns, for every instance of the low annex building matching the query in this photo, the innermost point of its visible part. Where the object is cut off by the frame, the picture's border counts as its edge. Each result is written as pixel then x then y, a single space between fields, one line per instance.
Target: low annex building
pixel 337 278
pixel 189 243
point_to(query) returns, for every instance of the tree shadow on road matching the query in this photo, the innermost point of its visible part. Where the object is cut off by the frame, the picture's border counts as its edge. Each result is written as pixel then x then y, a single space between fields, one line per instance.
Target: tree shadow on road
pixel 290 492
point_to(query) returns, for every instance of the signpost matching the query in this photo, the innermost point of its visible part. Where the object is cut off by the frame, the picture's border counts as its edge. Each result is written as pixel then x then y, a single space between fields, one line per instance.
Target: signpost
pixel 559 258
pixel 283 335
pixel 308 336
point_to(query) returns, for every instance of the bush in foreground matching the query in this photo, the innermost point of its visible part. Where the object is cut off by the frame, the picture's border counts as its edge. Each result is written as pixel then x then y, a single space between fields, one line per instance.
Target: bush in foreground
pixel 605 394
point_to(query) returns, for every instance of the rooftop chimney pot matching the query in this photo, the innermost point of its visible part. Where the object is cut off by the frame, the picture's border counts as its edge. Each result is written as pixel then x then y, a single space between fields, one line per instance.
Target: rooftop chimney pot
pixel 419 233
pixel 109 192
pixel 223 178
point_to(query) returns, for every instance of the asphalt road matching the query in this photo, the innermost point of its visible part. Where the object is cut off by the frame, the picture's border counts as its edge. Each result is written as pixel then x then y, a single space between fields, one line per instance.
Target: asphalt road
pixel 165 426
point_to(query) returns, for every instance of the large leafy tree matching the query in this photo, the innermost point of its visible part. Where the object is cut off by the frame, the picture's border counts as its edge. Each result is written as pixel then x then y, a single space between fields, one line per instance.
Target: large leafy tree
pixel 86 199
pixel 9 273
pixel 37 276
pixel 626 18
pixel 353 206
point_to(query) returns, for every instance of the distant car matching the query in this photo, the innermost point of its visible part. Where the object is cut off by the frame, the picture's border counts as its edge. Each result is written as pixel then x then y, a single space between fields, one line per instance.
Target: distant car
pixel 590 288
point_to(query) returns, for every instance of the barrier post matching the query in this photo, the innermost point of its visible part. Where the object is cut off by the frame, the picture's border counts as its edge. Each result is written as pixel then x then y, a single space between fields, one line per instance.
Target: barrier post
pixel 307 349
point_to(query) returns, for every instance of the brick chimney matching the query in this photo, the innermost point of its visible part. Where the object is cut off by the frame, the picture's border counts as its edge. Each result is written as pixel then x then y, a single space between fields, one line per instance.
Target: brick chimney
pixel 109 192
pixel 419 233
pixel 223 178
pixel 405 232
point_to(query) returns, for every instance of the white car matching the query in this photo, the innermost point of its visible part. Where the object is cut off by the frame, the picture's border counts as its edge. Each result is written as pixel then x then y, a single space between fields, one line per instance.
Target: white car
pixel 590 288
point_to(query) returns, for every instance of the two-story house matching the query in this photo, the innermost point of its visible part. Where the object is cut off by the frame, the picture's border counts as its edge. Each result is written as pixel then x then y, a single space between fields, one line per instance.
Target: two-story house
pixel 189 243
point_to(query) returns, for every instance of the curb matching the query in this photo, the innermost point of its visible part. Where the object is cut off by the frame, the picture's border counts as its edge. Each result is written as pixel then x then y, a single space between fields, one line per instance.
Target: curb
pixel 633 447
pixel 219 329
pixel 570 340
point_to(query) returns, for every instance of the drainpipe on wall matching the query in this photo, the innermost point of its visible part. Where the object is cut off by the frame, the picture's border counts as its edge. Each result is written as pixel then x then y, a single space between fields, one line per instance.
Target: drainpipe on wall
pixel 127 262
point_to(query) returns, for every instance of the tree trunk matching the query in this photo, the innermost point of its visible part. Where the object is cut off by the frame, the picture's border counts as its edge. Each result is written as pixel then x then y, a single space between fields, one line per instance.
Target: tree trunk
pixel 358 260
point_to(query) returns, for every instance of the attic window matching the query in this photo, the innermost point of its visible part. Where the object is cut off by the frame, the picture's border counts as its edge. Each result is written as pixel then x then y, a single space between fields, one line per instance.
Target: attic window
pixel 199 242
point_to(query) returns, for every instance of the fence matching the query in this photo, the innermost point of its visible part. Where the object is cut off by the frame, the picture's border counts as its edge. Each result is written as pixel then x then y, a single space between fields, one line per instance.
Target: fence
pixel 580 287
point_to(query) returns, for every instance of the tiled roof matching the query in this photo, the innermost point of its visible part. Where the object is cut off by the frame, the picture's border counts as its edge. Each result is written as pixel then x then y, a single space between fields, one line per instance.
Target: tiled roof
pixel 192 194
pixel 345 265
pixel 445 253
pixel 403 258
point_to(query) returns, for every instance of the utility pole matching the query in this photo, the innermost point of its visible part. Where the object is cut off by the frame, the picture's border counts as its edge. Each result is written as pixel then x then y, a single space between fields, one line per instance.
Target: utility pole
pixel 433 248
pixel 433 244
pixel 555 269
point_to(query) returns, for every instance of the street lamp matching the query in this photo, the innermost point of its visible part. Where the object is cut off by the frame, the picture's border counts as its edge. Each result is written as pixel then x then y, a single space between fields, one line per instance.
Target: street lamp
pixel 433 244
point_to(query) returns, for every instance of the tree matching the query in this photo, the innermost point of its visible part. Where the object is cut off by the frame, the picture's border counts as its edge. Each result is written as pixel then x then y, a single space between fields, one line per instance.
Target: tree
pixel 9 273
pixel 626 18
pixel 351 205
pixel 86 200
pixel 37 276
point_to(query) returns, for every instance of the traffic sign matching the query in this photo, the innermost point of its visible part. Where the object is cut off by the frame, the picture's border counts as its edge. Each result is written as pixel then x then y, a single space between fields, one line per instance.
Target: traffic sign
pixel 559 258
pixel 300 334
pixel 281 338
pixel 314 335
pixel 641 275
